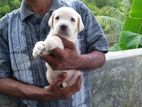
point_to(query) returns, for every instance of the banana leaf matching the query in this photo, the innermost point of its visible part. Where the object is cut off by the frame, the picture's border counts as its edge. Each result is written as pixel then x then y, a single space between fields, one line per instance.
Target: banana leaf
pixel 131 36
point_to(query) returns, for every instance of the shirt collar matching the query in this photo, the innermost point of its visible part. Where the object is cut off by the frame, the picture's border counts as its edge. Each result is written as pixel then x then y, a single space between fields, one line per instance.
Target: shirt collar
pixel 55 5
pixel 25 11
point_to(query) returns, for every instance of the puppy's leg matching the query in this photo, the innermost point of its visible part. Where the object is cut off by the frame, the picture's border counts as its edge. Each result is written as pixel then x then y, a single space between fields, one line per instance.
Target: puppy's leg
pixel 44 47
pixel 38 49
pixel 50 75
pixel 75 76
pixel 53 42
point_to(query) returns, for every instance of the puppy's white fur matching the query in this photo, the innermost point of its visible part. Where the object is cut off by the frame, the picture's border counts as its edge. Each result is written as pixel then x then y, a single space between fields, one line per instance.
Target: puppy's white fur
pixel 67 23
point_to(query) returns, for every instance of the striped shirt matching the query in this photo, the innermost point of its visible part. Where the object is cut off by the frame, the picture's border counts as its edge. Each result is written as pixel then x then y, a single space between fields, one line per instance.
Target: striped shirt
pixel 21 29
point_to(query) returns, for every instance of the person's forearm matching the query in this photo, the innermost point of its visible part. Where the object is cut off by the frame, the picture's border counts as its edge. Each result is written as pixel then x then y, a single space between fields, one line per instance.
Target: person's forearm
pixel 19 90
pixel 91 61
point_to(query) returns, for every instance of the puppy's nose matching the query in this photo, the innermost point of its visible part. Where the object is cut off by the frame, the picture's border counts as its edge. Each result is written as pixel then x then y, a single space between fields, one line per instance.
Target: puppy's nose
pixel 63 27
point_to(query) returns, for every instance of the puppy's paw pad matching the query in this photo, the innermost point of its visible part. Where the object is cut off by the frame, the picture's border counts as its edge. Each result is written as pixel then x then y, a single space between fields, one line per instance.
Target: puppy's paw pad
pixel 38 49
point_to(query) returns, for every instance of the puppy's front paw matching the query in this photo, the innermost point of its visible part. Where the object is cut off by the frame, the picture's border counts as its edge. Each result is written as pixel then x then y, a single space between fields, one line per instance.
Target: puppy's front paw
pixel 38 49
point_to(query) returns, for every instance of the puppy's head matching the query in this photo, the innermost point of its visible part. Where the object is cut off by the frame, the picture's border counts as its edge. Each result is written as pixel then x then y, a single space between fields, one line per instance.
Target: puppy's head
pixel 66 21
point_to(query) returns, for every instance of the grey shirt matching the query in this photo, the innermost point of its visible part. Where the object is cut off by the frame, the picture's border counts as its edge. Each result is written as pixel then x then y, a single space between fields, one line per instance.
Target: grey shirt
pixel 21 29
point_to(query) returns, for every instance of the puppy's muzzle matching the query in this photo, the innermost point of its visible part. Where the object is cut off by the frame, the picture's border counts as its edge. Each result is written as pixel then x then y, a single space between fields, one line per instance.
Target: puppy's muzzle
pixel 63 27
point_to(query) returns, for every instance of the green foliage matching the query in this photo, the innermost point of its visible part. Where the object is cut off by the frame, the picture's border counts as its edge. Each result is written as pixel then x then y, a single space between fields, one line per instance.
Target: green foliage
pixel 102 3
pixel 131 36
pixel 121 25
pixel 8 5
pixel 4 9
pixel 111 15
pixel 111 26
pixel 124 6
pixel 14 4
pixel 136 9
pixel 91 5
pixel 114 17
pixel 130 40
pixel 111 12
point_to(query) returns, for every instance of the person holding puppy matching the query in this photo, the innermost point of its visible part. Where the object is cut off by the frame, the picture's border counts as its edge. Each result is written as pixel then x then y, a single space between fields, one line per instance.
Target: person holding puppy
pixel 23 77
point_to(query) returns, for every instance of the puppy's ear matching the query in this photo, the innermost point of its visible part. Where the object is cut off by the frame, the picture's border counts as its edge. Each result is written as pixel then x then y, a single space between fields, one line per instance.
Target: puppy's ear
pixel 80 24
pixel 51 21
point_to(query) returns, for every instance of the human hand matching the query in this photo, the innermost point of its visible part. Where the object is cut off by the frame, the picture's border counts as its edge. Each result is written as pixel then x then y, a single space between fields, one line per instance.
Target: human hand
pixel 54 91
pixel 66 59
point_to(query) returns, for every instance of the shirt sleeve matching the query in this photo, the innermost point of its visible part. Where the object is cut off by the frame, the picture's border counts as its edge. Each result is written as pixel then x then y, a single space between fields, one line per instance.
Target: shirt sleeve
pixel 5 66
pixel 95 37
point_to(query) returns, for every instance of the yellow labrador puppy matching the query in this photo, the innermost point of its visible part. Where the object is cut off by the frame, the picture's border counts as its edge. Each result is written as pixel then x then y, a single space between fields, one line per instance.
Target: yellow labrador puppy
pixel 65 22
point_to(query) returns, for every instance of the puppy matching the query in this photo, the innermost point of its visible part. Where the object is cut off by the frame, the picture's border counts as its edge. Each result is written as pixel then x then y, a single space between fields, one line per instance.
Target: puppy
pixel 65 22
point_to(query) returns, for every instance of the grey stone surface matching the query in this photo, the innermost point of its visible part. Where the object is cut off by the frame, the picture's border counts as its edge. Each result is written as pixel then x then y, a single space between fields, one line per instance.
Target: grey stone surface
pixel 117 84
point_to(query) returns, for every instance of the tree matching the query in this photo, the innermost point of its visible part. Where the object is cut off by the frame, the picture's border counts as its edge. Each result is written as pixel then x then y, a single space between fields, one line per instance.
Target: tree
pixel 111 15
pixel 8 5
pixel 131 35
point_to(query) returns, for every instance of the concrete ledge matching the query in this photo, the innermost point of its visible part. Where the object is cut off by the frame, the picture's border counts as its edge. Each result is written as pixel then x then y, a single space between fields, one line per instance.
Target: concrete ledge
pixel 123 54
pixel 119 82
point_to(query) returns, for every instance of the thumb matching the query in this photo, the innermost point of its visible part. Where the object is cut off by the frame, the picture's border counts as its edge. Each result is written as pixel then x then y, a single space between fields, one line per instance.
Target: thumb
pixel 68 44
pixel 60 79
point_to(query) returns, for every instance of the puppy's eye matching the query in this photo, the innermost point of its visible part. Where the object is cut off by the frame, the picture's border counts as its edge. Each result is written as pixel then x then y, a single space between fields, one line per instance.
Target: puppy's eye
pixel 72 19
pixel 57 18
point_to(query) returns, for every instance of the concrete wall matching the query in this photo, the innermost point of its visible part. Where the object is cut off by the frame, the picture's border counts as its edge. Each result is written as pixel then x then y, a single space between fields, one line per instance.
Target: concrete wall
pixel 117 84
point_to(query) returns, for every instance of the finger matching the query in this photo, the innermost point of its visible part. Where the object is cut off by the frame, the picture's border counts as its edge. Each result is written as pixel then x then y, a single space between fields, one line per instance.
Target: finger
pixel 60 79
pixel 58 53
pixel 68 44
pixel 49 59
pixel 76 86
pixel 69 91
pixel 63 75
pixel 78 82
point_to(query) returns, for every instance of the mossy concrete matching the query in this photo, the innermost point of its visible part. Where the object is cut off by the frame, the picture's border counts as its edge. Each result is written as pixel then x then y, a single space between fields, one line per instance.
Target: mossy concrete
pixel 119 82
